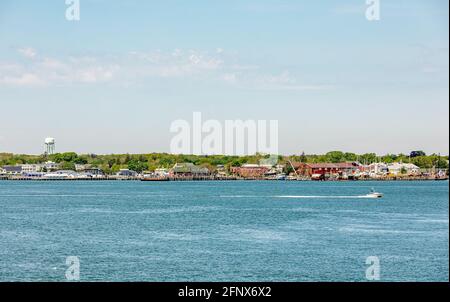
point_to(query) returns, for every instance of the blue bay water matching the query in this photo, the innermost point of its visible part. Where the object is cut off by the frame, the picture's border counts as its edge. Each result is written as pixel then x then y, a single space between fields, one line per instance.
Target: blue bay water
pixel 223 231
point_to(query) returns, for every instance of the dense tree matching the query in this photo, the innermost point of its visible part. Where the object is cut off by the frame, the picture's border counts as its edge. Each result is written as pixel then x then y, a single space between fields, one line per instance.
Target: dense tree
pixel 417 153
pixel 351 157
pixel 368 158
pixel 67 166
pixel 423 162
pixel 335 156
pixel 303 158
pixel 114 162
pixel 137 165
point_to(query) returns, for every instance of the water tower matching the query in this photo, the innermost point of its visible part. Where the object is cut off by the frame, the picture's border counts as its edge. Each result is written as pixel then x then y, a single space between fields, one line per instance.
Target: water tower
pixel 49 145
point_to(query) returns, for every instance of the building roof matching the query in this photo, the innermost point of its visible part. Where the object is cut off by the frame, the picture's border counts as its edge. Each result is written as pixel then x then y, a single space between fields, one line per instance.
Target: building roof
pixel 12 168
pixel 401 165
pixel 346 165
pixel 189 168
pixel 378 164
pixel 252 166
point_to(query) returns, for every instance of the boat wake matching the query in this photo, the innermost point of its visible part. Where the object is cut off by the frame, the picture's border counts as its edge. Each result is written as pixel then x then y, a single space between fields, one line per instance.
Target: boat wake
pixel 326 197
pixel 303 196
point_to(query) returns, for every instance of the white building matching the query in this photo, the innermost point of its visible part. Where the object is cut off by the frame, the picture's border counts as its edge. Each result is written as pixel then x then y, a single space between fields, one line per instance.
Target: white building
pixel 50 166
pixel 398 168
pixel 80 168
pixel 63 174
pixel 126 173
pixel 161 172
pixel 31 168
pixel 11 170
pixel 378 168
pixel 279 168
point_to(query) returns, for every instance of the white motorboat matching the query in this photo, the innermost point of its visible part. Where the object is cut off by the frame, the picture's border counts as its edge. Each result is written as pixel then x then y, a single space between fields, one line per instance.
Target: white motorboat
pixel 374 194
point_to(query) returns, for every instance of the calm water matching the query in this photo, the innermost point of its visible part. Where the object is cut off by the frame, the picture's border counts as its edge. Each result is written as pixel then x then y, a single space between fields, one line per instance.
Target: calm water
pixel 223 231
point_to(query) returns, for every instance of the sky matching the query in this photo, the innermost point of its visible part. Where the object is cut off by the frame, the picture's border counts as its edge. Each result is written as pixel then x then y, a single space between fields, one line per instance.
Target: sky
pixel 114 81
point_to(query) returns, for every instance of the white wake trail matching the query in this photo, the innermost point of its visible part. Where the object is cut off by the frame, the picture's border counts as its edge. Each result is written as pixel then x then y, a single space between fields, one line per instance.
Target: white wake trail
pixel 301 196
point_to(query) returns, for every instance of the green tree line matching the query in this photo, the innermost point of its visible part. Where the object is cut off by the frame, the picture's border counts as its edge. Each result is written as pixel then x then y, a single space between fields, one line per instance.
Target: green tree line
pixel 149 162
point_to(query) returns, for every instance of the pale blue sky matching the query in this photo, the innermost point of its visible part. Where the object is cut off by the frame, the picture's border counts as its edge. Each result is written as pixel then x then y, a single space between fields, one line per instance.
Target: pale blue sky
pixel 114 81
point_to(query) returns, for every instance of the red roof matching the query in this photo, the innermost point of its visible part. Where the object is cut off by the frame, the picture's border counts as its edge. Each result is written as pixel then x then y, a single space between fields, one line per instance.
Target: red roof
pixel 346 165
pixel 322 166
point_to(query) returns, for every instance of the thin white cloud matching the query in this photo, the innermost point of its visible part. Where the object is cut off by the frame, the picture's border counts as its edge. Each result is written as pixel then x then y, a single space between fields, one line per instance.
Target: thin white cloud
pixel 48 71
pixel 230 78
pixel 28 52
pixel 25 79
pixel 282 81
pixel 178 63
pixel 137 67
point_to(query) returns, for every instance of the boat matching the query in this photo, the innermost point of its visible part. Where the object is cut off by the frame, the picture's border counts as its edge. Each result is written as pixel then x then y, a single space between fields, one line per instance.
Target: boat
pixel 374 194
pixel 281 176
pixel 155 178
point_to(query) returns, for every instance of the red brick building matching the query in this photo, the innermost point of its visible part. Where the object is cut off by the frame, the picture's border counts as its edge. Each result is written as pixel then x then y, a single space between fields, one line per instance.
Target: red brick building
pixel 250 171
pixel 307 169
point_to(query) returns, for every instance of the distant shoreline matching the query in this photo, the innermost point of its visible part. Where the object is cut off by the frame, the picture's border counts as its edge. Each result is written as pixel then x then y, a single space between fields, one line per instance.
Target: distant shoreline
pixel 222 180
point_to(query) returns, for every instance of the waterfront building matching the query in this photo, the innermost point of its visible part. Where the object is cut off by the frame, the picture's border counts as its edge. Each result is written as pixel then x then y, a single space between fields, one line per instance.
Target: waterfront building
pixel 442 174
pixel 81 168
pixel 66 172
pixel 188 170
pixel 310 169
pixel 378 168
pixel 32 168
pixel 12 170
pixel 350 168
pixel 250 171
pixel 51 166
pixel 127 173
pixel 322 169
pixel 221 171
pixel 96 172
pixel 161 172
pixel 399 168
pixel 33 174
pixel 61 174
pixel 280 168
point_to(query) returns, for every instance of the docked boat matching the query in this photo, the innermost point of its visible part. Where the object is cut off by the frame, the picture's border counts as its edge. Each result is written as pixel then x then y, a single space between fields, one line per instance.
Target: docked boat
pixel 281 176
pixel 155 178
